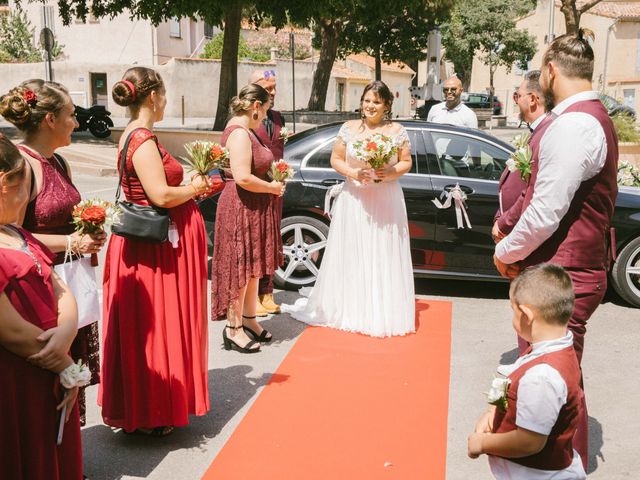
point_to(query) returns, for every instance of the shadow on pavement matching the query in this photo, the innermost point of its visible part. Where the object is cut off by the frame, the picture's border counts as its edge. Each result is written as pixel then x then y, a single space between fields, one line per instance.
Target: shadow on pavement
pixel 115 454
pixel 507 358
pixel 595 444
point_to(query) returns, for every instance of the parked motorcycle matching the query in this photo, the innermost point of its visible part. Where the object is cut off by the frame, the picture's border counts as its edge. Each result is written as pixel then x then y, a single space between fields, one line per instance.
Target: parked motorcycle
pixel 96 119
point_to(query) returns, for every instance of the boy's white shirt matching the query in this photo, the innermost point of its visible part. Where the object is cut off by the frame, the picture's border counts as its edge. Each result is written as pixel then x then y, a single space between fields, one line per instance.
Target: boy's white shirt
pixel 541 394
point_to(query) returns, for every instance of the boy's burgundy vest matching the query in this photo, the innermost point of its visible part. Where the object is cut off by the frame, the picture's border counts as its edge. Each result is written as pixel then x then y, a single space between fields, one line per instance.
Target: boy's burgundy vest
pixel 581 238
pixel 273 143
pixel 557 453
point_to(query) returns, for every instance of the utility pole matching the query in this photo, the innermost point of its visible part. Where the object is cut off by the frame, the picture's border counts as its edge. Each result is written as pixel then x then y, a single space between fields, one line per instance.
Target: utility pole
pixel 552 11
pixel 292 50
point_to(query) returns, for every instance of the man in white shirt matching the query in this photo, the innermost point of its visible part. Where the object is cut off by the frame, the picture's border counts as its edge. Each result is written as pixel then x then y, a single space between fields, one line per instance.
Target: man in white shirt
pixel 452 111
pixel 569 202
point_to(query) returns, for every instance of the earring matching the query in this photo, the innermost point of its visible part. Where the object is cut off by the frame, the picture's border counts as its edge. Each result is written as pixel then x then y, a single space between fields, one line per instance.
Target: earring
pixel 255 115
pixel 387 115
pixel 154 108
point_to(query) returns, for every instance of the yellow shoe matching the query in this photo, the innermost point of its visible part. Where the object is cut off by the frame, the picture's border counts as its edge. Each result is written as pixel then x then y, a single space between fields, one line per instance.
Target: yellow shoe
pixel 268 303
pixel 260 310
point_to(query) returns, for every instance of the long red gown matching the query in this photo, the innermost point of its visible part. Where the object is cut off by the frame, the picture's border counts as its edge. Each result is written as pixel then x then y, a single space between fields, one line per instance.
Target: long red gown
pixel 154 367
pixel 29 394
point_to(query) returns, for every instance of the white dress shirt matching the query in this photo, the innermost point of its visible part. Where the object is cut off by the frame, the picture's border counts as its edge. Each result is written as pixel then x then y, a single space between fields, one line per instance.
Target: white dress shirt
pixel 460 115
pixel 541 394
pixel 572 150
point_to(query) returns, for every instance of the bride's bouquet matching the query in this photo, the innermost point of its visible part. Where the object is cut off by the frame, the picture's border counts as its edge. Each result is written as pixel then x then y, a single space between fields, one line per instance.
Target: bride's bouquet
pixel 205 156
pixel 376 150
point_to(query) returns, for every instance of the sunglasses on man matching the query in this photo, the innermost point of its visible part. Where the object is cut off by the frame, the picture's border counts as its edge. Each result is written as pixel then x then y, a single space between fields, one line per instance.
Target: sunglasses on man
pixel 517 96
pixel 450 90
pixel 269 73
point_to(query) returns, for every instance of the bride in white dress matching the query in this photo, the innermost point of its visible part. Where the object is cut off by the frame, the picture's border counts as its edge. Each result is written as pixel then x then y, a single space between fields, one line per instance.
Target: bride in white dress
pixel 365 283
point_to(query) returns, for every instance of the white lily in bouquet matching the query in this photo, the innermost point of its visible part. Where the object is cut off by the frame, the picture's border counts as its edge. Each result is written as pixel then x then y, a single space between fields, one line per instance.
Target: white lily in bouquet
pixel 376 150
pixel 520 160
pixel 205 156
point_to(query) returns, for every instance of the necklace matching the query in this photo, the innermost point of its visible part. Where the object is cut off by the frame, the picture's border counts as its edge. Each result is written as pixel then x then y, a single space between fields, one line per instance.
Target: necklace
pixel 24 247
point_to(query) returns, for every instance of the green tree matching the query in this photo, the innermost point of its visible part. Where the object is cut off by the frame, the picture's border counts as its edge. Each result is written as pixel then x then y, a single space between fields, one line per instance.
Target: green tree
pixel 16 39
pixel 392 35
pixel 487 28
pixel 214 47
pixel 227 14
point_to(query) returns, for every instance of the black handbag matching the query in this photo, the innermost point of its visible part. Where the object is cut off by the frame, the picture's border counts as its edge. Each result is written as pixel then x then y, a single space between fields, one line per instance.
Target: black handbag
pixel 139 222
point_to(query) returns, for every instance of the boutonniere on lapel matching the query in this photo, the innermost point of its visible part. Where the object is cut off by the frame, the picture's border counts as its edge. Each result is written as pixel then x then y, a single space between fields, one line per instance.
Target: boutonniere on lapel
pixel 498 393
pixel 520 160
pixel 284 134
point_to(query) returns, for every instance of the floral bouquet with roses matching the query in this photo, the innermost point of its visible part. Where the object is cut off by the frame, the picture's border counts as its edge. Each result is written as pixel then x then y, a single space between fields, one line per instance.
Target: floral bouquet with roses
pixel 91 216
pixel 376 150
pixel 280 171
pixel 206 156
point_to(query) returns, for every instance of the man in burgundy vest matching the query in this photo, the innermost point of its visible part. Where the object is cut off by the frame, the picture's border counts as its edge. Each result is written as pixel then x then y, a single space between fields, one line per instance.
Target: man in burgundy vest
pixel 511 188
pixel 568 205
pixel 270 135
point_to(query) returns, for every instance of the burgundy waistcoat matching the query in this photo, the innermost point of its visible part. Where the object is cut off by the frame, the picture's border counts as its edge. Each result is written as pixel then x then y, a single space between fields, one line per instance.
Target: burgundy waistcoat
pixel 557 453
pixel 273 143
pixel 511 186
pixel 581 238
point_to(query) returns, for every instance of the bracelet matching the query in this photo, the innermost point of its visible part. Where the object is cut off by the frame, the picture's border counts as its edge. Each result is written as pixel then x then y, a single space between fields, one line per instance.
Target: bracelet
pixel 75 375
pixel 194 189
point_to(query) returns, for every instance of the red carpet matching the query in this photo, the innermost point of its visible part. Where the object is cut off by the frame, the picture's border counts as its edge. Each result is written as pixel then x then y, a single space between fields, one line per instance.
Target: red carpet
pixel 348 406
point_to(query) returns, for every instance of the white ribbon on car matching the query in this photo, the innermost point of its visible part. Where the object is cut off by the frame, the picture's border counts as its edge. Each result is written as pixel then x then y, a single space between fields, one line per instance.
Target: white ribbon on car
pixel 458 197
pixel 331 194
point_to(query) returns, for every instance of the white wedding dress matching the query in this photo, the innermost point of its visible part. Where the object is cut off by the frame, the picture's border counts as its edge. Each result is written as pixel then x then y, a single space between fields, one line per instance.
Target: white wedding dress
pixel 365 283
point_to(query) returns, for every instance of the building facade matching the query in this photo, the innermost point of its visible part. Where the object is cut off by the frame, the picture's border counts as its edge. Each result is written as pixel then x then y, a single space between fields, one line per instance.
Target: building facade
pixel 616 25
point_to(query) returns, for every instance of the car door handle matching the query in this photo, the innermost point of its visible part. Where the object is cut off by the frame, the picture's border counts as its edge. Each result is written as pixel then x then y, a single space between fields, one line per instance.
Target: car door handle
pixel 464 188
pixel 331 181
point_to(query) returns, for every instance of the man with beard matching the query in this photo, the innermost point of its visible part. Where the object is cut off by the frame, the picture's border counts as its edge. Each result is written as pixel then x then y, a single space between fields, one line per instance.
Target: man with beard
pixel 452 111
pixel 270 135
pixel 511 188
pixel 568 205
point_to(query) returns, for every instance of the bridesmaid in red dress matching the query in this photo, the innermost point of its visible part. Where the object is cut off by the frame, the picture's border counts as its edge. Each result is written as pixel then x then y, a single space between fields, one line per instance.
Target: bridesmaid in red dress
pixel 247 243
pixel 45 114
pixel 32 301
pixel 154 371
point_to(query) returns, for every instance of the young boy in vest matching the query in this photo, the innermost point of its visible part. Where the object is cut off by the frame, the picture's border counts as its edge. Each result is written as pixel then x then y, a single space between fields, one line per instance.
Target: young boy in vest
pixel 528 431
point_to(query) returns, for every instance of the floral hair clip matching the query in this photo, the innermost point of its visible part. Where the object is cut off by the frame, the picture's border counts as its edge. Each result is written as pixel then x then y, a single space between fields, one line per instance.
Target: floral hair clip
pixel 30 97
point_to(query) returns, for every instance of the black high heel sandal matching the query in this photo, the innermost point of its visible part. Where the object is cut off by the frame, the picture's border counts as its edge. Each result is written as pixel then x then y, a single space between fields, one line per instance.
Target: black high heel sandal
pixel 262 338
pixel 230 344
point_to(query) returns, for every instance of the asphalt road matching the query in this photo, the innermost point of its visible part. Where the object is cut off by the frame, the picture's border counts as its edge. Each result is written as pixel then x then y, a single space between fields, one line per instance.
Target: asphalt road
pixel 481 338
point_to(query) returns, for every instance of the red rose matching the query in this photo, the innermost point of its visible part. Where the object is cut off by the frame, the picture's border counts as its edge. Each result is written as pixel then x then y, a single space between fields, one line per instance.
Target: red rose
pixel 371 147
pixel 216 151
pixel 30 97
pixel 95 215
pixel 282 167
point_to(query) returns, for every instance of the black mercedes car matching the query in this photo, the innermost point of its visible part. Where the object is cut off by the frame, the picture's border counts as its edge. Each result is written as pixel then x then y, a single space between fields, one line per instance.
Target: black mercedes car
pixel 443 157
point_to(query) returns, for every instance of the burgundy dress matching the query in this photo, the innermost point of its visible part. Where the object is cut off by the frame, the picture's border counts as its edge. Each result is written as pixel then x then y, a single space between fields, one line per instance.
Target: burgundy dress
pixel 50 213
pixel 247 241
pixel 154 369
pixel 29 394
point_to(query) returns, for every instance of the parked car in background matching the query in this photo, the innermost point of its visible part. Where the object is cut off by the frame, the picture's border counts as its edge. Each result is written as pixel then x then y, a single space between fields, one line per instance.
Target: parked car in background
pixel 482 100
pixel 443 157
pixel 614 107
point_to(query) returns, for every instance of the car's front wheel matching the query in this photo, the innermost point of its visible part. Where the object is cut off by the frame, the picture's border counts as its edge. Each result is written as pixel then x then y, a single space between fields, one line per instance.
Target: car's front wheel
pixel 303 242
pixel 625 273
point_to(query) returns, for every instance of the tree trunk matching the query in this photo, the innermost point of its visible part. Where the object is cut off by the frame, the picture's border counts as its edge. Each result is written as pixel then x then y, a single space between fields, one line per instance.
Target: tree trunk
pixel 378 65
pixel 228 86
pixel 571 16
pixel 466 77
pixel 330 33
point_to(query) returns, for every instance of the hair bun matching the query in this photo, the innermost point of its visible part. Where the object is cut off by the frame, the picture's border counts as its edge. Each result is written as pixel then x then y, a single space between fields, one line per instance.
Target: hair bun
pixel 122 94
pixel 14 107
